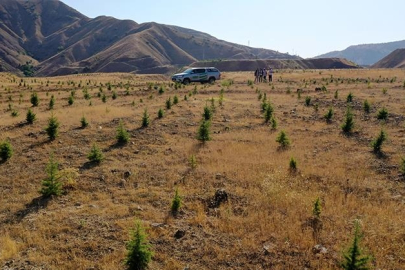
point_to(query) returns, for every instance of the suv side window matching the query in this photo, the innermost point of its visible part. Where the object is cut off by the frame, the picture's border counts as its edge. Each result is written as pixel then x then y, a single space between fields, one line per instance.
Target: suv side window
pixel 200 70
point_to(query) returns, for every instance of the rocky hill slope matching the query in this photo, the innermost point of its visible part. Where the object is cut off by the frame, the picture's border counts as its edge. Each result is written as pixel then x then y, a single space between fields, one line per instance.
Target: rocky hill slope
pixel 56 39
pixel 366 54
pixel 396 59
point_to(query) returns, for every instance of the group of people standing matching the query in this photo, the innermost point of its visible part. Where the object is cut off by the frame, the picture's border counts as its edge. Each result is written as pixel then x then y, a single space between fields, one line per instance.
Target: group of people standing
pixel 261 75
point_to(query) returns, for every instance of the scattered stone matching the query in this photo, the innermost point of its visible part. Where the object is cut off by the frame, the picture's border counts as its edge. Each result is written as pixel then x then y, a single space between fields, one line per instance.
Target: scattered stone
pixel 136 152
pixel 123 183
pixel 179 234
pixel 127 174
pixel 269 248
pixel 156 225
pixel 220 196
pixel 218 176
pixel 319 249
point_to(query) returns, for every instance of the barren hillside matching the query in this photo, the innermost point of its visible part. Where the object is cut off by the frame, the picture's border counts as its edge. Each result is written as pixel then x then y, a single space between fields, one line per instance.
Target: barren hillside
pixel 396 59
pixel 58 40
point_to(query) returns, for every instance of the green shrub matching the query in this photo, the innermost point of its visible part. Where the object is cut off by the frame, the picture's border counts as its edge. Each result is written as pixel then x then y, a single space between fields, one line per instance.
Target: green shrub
pixel 176 203
pixel 382 114
pixel 366 106
pixel 353 257
pixel 349 97
pixel 95 154
pixel 34 99
pixel 122 134
pixel 114 95
pixel 83 122
pixel 336 94
pixel 307 100
pixel 384 91
pixel 31 117
pixel 282 139
pixel 162 89
pixel 104 98
pixel 6 150
pixel 161 113
pixel 329 115
pixel 145 119
pixel 139 253
pixel 204 131
pixel 51 185
pixel 377 142
pixel 207 115
pixel 53 128
pixel 185 97
pixel 250 83
pixel 348 124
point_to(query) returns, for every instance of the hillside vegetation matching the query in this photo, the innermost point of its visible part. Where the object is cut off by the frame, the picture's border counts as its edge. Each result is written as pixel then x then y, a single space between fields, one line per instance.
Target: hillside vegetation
pixel 276 177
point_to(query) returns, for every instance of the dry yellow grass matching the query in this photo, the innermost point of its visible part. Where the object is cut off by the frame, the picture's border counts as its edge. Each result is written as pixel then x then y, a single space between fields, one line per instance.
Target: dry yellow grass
pixel 268 206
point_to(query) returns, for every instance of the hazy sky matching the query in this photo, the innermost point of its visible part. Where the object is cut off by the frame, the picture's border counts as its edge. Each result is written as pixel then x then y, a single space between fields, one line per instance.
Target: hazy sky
pixel 307 28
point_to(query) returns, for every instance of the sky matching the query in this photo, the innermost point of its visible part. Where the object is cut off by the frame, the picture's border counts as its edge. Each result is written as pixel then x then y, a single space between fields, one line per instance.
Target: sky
pixel 305 28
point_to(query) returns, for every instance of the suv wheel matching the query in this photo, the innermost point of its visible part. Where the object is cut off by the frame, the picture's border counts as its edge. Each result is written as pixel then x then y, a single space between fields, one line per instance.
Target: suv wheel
pixel 211 80
pixel 186 81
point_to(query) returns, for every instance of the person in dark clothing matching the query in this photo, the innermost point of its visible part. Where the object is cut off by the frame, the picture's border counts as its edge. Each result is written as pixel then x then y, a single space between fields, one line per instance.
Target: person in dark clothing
pixel 257 75
pixel 270 75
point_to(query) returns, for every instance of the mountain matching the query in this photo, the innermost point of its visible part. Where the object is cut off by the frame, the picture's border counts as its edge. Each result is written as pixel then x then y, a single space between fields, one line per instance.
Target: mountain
pixel 396 59
pixel 54 39
pixel 251 65
pixel 366 54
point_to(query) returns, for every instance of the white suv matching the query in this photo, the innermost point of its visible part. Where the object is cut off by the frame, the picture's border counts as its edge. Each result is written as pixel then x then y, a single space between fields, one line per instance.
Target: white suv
pixel 199 74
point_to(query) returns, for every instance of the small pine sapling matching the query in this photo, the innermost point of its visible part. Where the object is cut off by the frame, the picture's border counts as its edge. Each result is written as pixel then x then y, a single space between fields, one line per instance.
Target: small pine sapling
pixel 6 150
pixel 169 103
pixel 353 258
pixel 52 102
pixel 382 114
pixel 377 142
pixel 95 154
pixel 122 134
pixel 207 114
pixel 283 140
pixel 31 117
pixel 329 115
pixel 71 100
pixel 268 113
pixel 349 97
pixel 83 122
pixel 51 185
pixel 366 106
pixel 34 99
pixel 139 253
pixel 53 128
pixel 348 124
pixel 175 100
pixel 204 131
pixel 316 210
pixel 176 203
pixel 293 165
pixel 161 113
pixel 145 119
pixel 273 123
pixel 307 101
pixel 193 162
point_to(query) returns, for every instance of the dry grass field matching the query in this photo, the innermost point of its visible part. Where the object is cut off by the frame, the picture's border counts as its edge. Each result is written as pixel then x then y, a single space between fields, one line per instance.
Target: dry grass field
pixel 265 224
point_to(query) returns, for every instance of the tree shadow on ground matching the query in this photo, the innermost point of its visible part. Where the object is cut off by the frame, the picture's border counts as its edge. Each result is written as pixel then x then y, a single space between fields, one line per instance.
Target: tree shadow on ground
pixel 88 165
pixel 34 206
